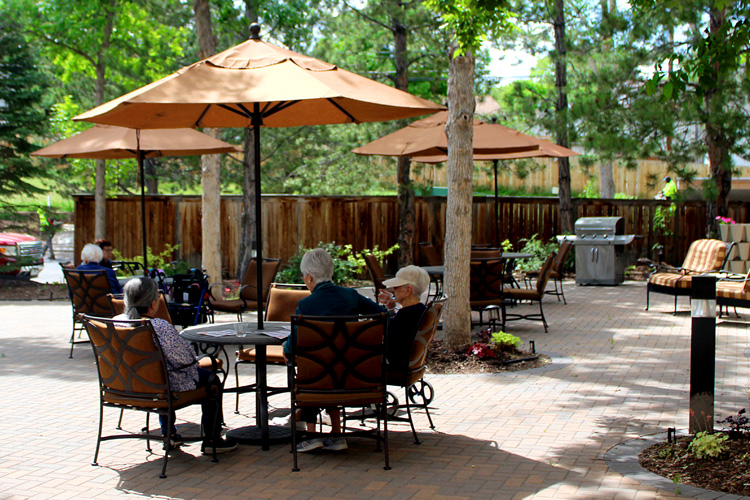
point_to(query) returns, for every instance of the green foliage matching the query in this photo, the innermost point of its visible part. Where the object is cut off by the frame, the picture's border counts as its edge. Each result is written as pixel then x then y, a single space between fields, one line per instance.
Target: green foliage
pixel 506 245
pixel 23 88
pixel 662 223
pixel 505 342
pixel 161 260
pixel 347 264
pixel 705 445
pixel 540 250
pixel 472 20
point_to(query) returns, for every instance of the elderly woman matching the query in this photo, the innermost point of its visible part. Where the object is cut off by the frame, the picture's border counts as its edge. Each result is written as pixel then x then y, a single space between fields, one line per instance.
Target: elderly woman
pixel 91 255
pixel 142 301
pixel 406 290
pixel 326 299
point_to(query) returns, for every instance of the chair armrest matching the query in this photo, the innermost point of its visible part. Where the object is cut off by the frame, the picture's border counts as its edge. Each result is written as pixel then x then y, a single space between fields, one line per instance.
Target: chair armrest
pixel 210 290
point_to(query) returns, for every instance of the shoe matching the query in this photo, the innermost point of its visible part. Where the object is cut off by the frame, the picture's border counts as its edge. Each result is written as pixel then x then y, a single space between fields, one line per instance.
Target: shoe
pixel 309 445
pixel 325 418
pixel 335 444
pixel 175 442
pixel 222 446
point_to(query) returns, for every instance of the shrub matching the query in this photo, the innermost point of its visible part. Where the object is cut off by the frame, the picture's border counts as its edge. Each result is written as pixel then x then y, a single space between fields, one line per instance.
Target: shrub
pixel 706 445
pixel 540 250
pixel 481 351
pixel 505 342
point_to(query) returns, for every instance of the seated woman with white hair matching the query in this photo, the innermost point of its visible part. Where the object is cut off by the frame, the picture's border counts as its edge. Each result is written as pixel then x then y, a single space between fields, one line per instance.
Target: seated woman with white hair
pixel 407 289
pixel 91 255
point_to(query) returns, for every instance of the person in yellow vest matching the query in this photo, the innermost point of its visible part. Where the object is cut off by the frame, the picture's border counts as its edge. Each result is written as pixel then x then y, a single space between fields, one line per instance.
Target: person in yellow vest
pixel 669 191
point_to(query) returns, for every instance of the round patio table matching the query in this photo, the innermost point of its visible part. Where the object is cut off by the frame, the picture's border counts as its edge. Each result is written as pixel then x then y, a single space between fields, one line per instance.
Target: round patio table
pixel 219 335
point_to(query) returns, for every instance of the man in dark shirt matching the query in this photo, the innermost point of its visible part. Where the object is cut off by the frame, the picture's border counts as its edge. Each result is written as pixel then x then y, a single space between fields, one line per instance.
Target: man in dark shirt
pixel 326 299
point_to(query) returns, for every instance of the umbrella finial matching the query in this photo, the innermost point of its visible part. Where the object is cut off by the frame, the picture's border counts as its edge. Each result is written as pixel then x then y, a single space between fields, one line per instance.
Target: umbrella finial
pixel 255 31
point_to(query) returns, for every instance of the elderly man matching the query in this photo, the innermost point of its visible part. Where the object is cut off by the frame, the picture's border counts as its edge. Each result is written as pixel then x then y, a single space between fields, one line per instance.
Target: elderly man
pixel 326 299
pixel 91 255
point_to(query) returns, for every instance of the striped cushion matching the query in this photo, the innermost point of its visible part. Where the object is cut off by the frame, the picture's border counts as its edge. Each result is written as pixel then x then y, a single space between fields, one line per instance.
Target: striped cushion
pixel 704 256
pixel 733 290
pixel 671 280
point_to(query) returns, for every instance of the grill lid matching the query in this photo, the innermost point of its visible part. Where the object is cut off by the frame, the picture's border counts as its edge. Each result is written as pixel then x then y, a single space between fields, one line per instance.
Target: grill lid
pixel 599 226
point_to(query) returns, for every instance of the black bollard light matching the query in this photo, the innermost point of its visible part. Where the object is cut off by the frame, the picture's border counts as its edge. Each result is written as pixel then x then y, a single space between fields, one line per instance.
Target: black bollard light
pixel 702 353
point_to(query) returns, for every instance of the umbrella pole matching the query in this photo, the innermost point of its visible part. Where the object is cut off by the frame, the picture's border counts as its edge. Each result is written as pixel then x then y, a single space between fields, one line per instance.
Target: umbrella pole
pixel 257 120
pixel 139 155
pixel 497 209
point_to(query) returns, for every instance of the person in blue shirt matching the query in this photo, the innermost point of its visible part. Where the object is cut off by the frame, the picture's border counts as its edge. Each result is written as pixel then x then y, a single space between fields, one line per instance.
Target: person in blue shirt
pixel 91 255
pixel 326 299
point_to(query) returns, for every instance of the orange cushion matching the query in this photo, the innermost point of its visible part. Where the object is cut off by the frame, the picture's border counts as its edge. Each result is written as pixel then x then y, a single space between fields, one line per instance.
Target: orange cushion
pixel 521 294
pixel 704 256
pixel 733 290
pixel 671 280
pixel 274 354
pixel 231 305
pixel 181 399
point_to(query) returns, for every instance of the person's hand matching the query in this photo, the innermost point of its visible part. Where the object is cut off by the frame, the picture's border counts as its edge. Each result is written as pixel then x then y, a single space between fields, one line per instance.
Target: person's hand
pixel 386 298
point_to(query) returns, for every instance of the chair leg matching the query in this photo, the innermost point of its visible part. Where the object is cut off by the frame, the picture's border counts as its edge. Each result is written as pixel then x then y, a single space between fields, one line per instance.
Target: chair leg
pixel 647 296
pixel 295 468
pixel 541 312
pixel 675 306
pixel 148 439
pixel 167 442
pixel 562 292
pixel 411 420
pixel 119 421
pixel 385 437
pixel 237 384
pixel 99 435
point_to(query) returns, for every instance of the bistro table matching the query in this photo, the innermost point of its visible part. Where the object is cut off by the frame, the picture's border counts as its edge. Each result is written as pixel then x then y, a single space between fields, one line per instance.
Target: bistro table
pixel 436 272
pixel 210 338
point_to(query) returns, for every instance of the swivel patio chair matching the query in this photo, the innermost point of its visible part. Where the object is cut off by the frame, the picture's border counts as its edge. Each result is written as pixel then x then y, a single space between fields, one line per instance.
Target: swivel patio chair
pixel 418 393
pixel 248 297
pixel 430 255
pixel 556 274
pixel 133 375
pixel 703 256
pixel 339 361
pixel 530 294
pixel 89 294
pixel 281 306
pixel 486 277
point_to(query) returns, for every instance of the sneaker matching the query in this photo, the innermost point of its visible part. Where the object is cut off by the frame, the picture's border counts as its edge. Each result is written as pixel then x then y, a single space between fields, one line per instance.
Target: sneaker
pixel 222 446
pixel 175 442
pixel 309 445
pixel 335 444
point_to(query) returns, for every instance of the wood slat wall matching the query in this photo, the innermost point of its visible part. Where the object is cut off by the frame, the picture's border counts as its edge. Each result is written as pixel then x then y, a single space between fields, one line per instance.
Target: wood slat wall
pixel 290 221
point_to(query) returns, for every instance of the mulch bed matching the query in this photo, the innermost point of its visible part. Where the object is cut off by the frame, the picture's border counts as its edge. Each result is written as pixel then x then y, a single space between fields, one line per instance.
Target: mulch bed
pixel 442 360
pixel 25 289
pixel 729 473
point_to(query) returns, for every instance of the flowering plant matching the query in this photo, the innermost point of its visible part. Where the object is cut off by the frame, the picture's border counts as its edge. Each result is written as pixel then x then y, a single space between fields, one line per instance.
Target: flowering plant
pixel 724 220
pixel 480 350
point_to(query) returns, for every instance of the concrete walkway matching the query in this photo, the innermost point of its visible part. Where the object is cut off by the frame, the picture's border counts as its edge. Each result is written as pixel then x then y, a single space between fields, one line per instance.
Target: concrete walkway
pixel 622 373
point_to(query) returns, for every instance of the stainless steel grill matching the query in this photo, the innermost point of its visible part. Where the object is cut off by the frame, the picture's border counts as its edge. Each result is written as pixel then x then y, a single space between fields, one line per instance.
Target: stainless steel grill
pixel 599 245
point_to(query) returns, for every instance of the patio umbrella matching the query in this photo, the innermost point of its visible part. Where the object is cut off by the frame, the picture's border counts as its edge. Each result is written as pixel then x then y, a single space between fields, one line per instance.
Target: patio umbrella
pixel 108 143
pixel 426 137
pixel 258 84
pixel 546 149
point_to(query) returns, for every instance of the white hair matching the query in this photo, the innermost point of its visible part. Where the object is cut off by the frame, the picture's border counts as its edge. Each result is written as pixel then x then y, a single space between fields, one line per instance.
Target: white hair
pixel 318 264
pixel 92 253
pixel 139 294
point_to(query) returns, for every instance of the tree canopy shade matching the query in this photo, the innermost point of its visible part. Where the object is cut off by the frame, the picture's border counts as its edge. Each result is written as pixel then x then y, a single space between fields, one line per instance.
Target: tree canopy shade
pixel 22 112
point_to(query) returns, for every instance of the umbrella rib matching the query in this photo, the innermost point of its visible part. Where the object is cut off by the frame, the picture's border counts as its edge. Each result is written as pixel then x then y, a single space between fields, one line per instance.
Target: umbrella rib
pixel 342 109
pixel 198 122
pixel 232 110
pixel 280 106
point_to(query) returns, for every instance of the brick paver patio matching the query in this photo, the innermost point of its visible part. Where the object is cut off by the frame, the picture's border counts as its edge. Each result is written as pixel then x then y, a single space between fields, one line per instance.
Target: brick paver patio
pixel 621 372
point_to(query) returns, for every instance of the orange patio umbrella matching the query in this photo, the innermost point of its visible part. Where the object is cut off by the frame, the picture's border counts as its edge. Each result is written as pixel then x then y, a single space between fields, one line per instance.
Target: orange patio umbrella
pixel 108 143
pixel 426 137
pixel 546 149
pixel 258 84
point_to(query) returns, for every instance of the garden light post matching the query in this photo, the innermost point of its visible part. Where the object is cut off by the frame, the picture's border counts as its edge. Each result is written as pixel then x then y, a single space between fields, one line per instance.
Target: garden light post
pixel 702 353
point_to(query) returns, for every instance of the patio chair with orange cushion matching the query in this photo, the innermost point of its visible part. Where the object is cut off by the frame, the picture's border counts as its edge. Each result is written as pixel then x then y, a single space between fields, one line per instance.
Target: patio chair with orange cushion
pixel 89 294
pixel 281 306
pixel 248 298
pixel 703 256
pixel 133 376
pixel 486 277
pixel 733 291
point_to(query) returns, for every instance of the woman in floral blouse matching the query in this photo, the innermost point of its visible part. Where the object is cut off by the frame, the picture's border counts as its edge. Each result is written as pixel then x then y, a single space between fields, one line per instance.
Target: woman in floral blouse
pixel 142 301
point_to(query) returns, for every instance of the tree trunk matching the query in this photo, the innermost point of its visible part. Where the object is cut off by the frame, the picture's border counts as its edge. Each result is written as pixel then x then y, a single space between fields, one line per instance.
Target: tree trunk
pixel 561 119
pixel 210 164
pixel 457 247
pixel 248 206
pixel 100 172
pixel 606 179
pixel 150 166
pixel 406 217
pixel 717 141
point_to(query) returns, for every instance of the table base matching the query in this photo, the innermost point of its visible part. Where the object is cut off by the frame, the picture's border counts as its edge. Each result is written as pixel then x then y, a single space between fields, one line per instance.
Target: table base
pixel 277 434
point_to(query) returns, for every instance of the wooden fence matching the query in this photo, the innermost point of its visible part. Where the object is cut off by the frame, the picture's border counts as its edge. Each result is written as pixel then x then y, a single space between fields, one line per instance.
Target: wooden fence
pixel 292 221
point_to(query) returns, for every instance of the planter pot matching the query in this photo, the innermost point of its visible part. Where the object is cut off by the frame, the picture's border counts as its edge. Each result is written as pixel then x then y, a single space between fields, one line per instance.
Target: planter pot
pixel 744 250
pixel 737 231
pixel 737 266
pixel 725 233
pixel 734 254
